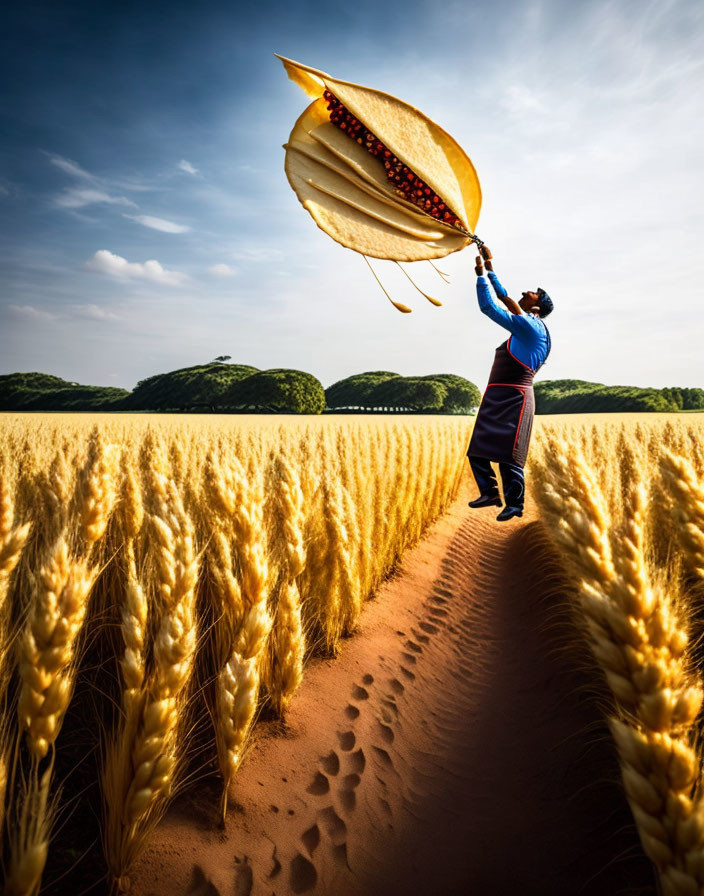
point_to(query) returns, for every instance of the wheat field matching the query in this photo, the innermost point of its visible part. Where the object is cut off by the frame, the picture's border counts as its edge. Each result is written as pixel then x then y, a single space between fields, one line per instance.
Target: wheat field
pixel 623 501
pixel 164 579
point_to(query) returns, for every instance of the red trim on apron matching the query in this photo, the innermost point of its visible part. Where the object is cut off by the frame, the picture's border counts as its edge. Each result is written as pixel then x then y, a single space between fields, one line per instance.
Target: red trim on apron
pixel 520 419
pixel 508 349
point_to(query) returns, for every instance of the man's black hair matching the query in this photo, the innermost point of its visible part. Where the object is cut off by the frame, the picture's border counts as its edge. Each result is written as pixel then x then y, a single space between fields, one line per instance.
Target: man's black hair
pixel 545 303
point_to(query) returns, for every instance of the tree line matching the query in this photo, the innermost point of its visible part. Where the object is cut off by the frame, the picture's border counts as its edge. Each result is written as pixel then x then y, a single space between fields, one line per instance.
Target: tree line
pixel 219 387
pixel 581 397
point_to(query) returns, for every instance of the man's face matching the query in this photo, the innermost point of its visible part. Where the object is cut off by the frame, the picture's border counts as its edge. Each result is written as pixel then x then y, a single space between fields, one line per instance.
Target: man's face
pixel 528 300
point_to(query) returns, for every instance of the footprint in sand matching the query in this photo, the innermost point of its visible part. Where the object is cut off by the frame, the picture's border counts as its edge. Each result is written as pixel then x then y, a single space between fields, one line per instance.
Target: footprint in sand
pixel 390 707
pixel 424 639
pixel 409 658
pixel 302 874
pixel 356 761
pixel 385 732
pixel 438 612
pixel 346 794
pixel 429 627
pixel 333 825
pixel 367 679
pixel 411 645
pixel 319 785
pixel 311 839
pixel 383 756
pixel 396 685
pixel 347 740
pixel 386 716
pixel 351 712
pixel 351 782
pixel 336 830
pixel 359 693
pixel 330 763
pixel 408 674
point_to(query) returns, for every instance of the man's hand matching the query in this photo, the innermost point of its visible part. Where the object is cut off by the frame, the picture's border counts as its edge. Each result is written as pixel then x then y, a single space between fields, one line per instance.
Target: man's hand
pixel 479 267
pixel 486 255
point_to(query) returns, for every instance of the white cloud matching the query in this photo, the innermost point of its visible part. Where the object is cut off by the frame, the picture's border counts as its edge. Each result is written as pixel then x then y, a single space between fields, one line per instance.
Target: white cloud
pixel 78 197
pixel 94 312
pixel 70 167
pixel 159 224
pixel 105 262
pixel 99 191
pixel 186 166
pixel 257 254
pixel 31 313
pixel 222 270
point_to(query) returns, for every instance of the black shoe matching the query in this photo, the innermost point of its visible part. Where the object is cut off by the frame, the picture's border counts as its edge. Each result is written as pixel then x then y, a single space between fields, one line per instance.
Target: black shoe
pixel 509 512
pixel 486 501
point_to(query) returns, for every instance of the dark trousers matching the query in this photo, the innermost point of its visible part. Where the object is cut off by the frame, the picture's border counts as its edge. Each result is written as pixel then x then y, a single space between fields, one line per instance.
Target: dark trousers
pixel 512 480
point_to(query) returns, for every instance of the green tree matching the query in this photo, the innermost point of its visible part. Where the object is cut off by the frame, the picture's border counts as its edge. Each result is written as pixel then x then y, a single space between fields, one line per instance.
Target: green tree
pixel 199 387
pixel 409 392
pixel 461 394
pixel 293 391
pixel 354 391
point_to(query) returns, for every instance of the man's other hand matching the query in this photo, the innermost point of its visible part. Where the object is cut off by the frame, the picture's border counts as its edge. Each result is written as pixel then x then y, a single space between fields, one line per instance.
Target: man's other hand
pixel 486 255
pixel 479 267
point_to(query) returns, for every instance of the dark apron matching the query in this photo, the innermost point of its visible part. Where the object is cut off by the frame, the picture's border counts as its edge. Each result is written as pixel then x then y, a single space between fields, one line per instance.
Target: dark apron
pixel 505 418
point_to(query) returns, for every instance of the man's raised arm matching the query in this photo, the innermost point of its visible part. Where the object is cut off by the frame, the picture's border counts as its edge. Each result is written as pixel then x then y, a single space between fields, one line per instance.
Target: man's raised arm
pixel 489 307
pixel 501 293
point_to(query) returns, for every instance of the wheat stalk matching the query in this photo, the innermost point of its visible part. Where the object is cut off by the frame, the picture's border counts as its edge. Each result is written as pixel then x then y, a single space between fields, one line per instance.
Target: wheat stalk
pixel 96 492
pixel 154 754
pixel 46 648
pixel 639 638
pixel 29 837
pixel 687 507
pixel 241 503
pixel 288 637
pixel 131 507
pixel 142 764
pixel 12 542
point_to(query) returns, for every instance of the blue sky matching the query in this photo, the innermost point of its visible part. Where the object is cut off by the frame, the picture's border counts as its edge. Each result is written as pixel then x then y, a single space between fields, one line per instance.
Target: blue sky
pixel 147 223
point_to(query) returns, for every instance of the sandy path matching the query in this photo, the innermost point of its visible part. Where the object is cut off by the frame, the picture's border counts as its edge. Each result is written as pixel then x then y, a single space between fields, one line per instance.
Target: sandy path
pixel 452 748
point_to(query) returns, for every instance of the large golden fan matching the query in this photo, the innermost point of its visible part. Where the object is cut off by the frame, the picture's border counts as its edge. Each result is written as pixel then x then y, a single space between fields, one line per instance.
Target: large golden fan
pixel 377 175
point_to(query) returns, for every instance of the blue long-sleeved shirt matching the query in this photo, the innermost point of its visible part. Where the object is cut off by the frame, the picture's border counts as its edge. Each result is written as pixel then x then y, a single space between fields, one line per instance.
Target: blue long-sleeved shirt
pixel 530 342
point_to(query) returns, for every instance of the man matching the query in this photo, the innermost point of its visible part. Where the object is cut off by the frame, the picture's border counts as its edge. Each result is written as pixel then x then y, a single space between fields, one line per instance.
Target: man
pixel 503 426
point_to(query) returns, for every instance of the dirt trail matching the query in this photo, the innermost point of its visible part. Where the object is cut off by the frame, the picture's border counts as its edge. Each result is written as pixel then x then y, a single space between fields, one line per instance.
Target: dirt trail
pixel 452 748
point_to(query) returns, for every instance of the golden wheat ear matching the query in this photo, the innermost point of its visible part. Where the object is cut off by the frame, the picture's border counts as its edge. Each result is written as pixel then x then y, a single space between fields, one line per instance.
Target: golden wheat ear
pixel 376 174
pixel 399 305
